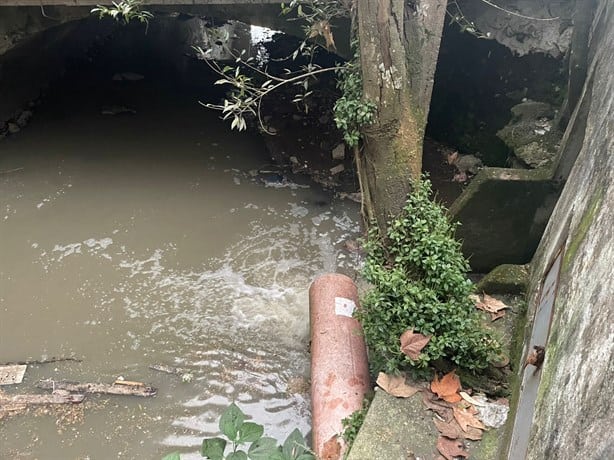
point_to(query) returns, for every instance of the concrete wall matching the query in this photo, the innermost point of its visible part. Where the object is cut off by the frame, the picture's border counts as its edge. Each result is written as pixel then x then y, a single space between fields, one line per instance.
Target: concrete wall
pixel 550 33
pixel 574 414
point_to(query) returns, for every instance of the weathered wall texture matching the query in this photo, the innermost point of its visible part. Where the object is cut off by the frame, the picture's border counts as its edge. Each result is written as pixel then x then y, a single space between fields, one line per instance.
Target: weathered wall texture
pixel 574 411
pixel 17 24
pixel 550 34
pixel 32 64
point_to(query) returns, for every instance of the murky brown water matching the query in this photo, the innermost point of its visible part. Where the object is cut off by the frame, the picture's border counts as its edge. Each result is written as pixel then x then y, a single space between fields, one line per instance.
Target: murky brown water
pixel 141 239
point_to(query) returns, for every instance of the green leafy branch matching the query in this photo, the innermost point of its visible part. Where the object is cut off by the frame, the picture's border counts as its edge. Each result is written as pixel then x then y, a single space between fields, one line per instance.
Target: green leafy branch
pixel 124 11
pixel 247 94
pixel 248 91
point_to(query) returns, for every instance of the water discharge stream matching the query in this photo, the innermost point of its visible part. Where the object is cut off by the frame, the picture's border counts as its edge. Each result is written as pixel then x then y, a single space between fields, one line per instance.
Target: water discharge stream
pixel 140 239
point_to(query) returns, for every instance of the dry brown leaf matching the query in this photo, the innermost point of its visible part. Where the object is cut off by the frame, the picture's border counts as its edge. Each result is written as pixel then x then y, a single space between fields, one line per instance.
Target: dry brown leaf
pixel 475 298
pixel 449 429
pixel 331 450
pixel 323 28
pixel 465 419
pixel 451 448
pixel 412 343
pixel 470 400
pixel 490 304
pixel 395 385
pixel 475 434
pixel 441 408
pixel 447 388
pixel 496 316
pixel 503 361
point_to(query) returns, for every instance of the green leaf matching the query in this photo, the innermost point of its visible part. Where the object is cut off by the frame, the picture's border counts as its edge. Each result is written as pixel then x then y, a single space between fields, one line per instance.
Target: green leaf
pixel 250 432
pixel 213 448
pixel 294 444
pixel 231 420
pixel 239 455
pixel 265 449
pixel 173 456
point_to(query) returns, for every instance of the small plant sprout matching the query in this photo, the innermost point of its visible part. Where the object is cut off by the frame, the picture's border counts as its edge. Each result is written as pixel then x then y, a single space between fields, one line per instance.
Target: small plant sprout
pixel 244 440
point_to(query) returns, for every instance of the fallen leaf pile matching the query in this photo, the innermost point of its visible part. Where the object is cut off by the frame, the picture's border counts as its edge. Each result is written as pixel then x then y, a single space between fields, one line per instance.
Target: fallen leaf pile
pixel 489 304
pixel 456 416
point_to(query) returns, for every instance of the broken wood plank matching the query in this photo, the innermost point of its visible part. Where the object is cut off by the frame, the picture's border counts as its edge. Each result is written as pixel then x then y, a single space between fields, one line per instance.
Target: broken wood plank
pixel 98 388
pixel 13 402
pixel 10 375
pixel 128 383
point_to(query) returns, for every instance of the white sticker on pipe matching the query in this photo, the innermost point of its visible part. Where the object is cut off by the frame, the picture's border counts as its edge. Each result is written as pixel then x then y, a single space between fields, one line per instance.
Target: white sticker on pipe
pixel 344 307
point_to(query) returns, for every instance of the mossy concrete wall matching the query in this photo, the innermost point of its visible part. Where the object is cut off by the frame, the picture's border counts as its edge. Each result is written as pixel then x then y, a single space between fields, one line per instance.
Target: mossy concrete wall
pixel 574 413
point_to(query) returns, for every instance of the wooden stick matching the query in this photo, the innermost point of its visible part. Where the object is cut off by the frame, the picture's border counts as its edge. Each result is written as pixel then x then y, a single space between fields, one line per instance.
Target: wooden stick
pixel 41 361
pixel 98 388
pixel 8 171
pixel 14 402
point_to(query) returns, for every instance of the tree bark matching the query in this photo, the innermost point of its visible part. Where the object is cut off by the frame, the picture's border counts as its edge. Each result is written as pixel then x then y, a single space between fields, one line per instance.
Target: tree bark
pixel 399 46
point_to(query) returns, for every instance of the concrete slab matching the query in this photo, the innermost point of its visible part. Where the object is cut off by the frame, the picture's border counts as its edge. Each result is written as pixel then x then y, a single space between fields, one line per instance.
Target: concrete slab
pixel 394 429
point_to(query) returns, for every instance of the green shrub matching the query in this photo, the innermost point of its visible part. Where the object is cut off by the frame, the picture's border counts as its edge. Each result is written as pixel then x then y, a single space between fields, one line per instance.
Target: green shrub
pixel 419 279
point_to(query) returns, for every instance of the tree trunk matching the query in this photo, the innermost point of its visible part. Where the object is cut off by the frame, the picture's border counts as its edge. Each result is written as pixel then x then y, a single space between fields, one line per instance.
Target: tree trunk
pixel 399 45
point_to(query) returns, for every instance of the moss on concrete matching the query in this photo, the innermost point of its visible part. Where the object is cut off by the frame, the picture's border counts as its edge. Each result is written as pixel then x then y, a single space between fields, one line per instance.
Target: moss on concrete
pixel 505 279
pixel 519 332
pixel 582 229
pixel 487 448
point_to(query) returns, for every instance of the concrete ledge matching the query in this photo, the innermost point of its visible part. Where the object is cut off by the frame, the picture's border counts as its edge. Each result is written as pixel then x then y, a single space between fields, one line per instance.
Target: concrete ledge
pixel 145 2
pixel 503 213
pixel 394 429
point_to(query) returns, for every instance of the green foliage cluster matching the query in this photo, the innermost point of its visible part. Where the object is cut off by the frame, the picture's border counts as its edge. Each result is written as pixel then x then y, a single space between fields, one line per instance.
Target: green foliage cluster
pixel 314 11
pixel 351 110
pixel 124 11
pixel 249 436
pixel 352 424
pixel 418 274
